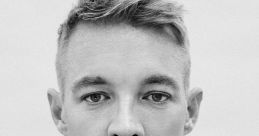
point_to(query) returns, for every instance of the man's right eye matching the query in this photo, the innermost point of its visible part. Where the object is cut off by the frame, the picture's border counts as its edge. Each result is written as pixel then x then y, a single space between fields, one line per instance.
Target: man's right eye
pixel 96 97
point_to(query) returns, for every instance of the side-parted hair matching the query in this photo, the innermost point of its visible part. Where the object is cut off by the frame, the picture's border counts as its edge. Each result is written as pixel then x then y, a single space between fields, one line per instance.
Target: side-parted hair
pixel 154 14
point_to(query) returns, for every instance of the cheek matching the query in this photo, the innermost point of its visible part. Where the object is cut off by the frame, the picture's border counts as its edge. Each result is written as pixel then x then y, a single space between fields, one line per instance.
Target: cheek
pixel 82 122
pixel 169 122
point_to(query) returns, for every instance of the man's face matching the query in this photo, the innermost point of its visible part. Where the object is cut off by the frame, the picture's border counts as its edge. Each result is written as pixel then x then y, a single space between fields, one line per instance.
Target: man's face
pixel 123 81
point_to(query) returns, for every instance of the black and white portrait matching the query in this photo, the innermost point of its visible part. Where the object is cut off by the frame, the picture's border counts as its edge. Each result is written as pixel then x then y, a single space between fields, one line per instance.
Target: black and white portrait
pixel 129 68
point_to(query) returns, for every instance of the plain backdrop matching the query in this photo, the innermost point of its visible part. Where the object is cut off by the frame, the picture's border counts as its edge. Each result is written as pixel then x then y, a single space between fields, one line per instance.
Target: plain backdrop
pixel 224 37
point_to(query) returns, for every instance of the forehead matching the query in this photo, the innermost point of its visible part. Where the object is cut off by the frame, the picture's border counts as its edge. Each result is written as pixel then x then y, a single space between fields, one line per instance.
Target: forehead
pixel 123 52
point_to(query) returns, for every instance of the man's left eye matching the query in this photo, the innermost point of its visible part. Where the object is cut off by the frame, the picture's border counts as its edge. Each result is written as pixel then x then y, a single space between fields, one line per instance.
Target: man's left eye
pixel 157 97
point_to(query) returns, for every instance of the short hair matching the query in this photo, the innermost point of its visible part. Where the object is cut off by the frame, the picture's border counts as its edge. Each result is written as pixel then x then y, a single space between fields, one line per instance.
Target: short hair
pixel 159 14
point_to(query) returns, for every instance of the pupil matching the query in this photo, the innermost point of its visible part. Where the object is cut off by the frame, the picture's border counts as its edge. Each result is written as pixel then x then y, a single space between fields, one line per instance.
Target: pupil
pixel 95 97
pixel 156 97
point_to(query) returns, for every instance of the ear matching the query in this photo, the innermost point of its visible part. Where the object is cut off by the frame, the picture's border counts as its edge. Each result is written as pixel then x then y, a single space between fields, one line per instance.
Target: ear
pixel 194 100
pixel 55 103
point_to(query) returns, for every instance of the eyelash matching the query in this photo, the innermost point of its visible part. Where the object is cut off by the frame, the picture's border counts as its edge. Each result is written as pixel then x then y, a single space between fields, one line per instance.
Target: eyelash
pixel 103 96
pixel 147 97
pixel 165 97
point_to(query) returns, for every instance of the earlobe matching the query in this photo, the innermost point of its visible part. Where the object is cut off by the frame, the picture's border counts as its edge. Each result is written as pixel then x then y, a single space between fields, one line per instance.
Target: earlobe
pixel 55 102
pixel 194 99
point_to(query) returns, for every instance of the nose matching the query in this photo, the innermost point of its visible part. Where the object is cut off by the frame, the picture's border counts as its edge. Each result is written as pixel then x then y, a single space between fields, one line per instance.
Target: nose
pixel 125 123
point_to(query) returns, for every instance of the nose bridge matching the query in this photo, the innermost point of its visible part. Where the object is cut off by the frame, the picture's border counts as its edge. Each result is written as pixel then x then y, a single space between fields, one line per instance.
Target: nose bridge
pixel 125 113
pixel 125 122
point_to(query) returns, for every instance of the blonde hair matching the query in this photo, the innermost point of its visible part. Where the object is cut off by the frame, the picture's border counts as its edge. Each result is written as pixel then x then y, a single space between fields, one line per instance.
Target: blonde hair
pixel 151 14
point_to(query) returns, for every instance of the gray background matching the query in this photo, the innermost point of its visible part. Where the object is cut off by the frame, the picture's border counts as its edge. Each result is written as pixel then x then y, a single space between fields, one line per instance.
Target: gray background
pixel 224 36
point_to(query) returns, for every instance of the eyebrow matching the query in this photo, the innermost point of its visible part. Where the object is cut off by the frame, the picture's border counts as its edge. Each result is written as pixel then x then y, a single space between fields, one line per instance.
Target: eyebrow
pixel 88 81
pixel 97 80
pixel 161 80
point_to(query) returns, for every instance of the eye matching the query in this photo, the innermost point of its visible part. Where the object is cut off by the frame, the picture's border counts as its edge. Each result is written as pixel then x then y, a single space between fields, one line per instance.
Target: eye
pixel 96 97
pixel 157 96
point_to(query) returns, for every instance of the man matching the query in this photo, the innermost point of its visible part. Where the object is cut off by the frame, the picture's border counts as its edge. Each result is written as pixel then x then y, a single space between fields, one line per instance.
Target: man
pixel 123 70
